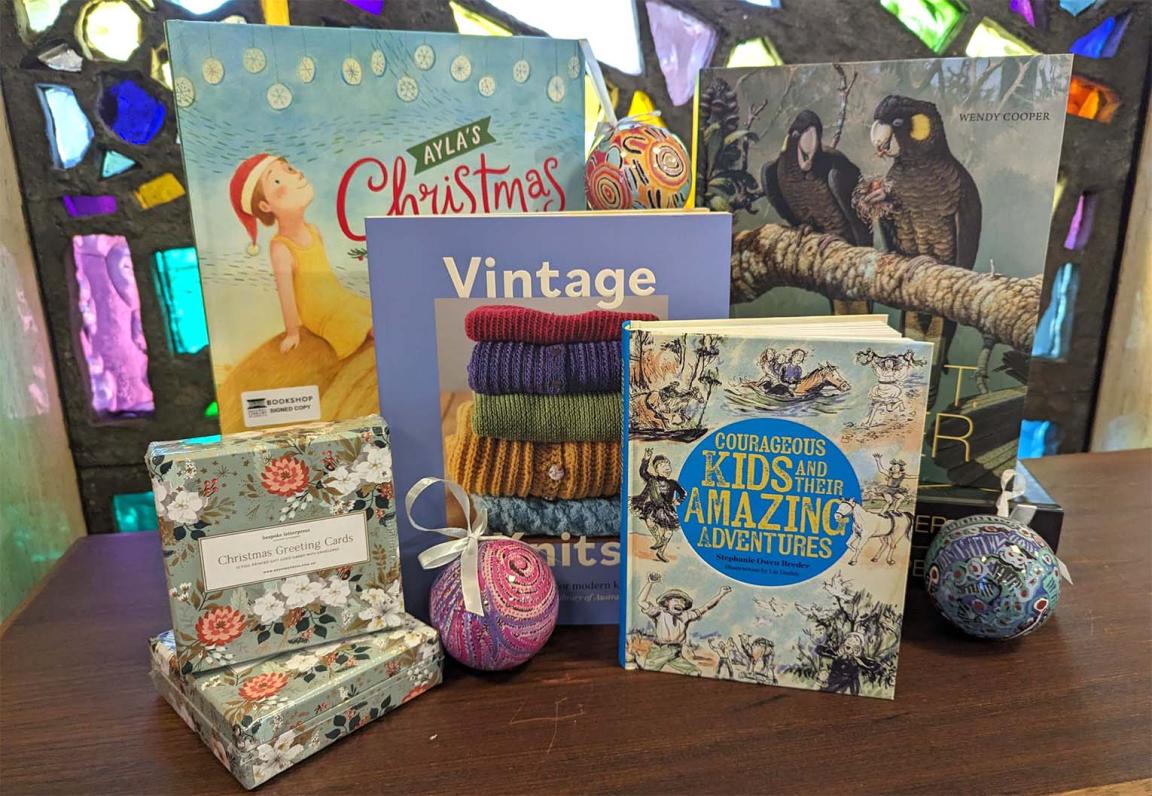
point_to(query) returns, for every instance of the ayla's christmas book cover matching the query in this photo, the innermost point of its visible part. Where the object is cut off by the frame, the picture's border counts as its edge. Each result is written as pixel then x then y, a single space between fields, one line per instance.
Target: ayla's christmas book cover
pixel 499 356
pixel 291 136
pixel 918 188
pixel 770 475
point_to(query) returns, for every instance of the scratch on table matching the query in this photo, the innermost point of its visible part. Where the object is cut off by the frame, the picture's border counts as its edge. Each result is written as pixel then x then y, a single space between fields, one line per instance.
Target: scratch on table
pixel 555 718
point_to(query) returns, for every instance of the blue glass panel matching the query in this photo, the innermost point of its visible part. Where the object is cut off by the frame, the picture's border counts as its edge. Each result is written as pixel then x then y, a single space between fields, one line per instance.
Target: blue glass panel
pixel 1076 7
pixel 131 112
pixel 1038 438
pixel 178 285
pixel 69 131
pixel 115 163
pixel 1054 331
pixel 1104 39
pixel 134 511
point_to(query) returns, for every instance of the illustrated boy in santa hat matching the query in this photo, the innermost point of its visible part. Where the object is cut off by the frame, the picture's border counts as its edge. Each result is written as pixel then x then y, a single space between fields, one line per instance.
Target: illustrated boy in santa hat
pixel 268 189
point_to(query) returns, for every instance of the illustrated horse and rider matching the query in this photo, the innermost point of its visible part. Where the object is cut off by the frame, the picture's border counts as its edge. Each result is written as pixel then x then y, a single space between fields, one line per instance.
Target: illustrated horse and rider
pixel 784 375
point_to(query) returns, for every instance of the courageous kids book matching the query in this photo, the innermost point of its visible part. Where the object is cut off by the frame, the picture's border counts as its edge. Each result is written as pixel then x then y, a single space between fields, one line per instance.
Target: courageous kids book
pixel 291 136
pixel 922 189
pixel 768 492
pixel 499 357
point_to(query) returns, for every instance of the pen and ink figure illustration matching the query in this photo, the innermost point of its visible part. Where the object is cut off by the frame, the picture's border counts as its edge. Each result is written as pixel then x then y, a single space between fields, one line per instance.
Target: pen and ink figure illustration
pixel 760 659
pixel 847 662
pixel 892 477
pixel 785 381
pixel 726 656
pixel 671 385
pixel 267 189
pixel 888 526
pixel 887 398
pixel 656 504
pixel 672 614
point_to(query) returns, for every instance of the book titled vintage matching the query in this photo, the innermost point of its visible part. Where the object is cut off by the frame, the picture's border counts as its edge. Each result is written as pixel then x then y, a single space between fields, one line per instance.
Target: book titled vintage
pixel 291 136
pixel 768 500
pixel 922 189
pixel 499 356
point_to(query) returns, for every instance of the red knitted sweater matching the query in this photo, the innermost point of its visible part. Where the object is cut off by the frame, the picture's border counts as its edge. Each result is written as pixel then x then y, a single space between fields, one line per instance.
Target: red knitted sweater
pixel 503 322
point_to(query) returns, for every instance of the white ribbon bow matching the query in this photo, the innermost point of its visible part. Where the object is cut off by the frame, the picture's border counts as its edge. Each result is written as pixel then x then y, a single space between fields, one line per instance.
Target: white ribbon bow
pixel 464 544
pixel 1012 486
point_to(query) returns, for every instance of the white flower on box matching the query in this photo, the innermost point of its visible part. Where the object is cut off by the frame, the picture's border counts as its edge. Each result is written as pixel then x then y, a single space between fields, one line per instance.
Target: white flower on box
pixel 181 592
pixel 335 592
pixel 383 609
pixel 159 491
pixel 277 756
pixel 185 507
pixel 299 591
pixel 270 607
pixel 343 480
pixel 377 467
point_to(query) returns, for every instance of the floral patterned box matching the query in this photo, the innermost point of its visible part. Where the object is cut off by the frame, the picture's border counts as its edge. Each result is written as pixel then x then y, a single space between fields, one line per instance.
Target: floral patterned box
pixel 260 718
pixel 277 540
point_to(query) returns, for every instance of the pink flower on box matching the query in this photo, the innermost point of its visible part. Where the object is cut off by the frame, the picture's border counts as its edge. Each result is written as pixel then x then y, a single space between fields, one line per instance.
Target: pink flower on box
pixel 263 686
pixel 286 476
pixel 219 626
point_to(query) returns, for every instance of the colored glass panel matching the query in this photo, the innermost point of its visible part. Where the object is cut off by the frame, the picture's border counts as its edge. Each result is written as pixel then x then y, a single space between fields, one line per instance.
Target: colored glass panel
pixel 178 286
pixel 1038 438
pixel 111 337
pixel 764 3
pixel 934 22
pixel 159 190
pixel 85 205
pixel 608 25
pixel 276 11
pixel 62 58
pixel 36 16
pixel 212 410
pixel 684 46
pixel 642 105
pixel 132 112
pixel 1091 100
pixel 370 6
pixel 1103 40
pixel 161 70
pixel 473 24
pixel 1054 331
pixel 1080 228
pixel 1035 12
pixel 1076 7
pixel 134 512
pixel 109 28
pixel 990 40
pixel 754 52
pixel 199 6
pixel 114 163
pixel 69 131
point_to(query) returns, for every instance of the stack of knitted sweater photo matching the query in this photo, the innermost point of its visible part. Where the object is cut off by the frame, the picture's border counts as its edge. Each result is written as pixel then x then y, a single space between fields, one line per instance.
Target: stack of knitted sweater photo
pixel 539 444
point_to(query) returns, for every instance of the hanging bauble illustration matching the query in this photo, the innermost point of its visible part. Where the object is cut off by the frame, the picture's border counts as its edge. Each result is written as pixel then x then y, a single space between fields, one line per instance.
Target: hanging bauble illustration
pixel 378 63
pixel 306 69
pixel 351 71
pixel 254 60
pixel 556 88
pixel 424 57
pixel 573 67
pixel 279 96
pixel 212 70
pixel 520 70
pixel 407 89
pixel 486 86
pixel 183 91
pixel 461 68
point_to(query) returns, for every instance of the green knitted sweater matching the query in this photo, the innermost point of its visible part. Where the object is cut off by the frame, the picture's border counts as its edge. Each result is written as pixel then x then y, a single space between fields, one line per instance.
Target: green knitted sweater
pixel 584 417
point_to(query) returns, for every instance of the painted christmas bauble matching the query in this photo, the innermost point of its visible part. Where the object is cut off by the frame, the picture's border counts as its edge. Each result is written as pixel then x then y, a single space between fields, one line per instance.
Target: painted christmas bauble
pixel 992 577
pixel 637 166
pixel 520 606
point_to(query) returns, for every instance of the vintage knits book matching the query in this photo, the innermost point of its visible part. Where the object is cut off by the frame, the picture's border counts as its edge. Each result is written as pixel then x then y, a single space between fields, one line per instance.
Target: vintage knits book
pixel 515 391
pixel 769 483
pixel 291 136
pixel 918 188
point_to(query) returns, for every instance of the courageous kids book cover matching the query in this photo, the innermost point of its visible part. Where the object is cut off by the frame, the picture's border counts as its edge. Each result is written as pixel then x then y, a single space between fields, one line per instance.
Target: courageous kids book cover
pixel 923 189
pixel 769 480
pixel 291 136
pixel 516 391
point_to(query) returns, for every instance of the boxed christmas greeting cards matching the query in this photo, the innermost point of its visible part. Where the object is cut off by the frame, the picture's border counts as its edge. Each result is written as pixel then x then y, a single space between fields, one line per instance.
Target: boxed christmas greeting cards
pixel 276 540
pixel 918 188
pixel 769 499
pixel 516 391
pixel 291 136
pixel 259 719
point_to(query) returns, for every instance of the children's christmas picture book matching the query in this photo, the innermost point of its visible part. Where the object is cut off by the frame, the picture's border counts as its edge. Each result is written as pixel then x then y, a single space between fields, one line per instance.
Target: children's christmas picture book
pixel 922 189
pixel 291 136
pixel 499 359
pixel 769 484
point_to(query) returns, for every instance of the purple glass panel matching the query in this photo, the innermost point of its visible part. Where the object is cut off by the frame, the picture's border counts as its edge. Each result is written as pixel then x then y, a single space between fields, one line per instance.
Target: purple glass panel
pixel 371 6
pixel 84 205
pixel 1081 227
pixel 1035 12
pixel 684 46
pixel 111 337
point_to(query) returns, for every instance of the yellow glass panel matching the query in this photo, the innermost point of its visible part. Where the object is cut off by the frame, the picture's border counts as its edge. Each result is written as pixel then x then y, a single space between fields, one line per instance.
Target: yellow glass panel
pixel 275 12
pixel 159 190
pixel 754 52
pixel 642 105
pixel 989 39
pixel 473 24
pixel 161 68
pixel 108 28
pixel 36 16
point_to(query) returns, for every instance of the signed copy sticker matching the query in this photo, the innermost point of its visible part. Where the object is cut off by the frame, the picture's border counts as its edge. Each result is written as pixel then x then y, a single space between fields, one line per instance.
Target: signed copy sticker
pixel 761 501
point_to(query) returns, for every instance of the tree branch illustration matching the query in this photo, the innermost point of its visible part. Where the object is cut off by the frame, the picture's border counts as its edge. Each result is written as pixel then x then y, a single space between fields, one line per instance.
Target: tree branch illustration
pixel 1002 308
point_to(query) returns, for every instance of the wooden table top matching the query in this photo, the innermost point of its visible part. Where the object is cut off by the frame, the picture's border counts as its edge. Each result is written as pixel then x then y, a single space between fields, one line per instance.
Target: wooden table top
pixel 1070 707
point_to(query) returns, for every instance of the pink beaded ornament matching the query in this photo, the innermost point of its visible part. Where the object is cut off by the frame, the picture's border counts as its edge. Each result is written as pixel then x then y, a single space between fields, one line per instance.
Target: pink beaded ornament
pixel 496 602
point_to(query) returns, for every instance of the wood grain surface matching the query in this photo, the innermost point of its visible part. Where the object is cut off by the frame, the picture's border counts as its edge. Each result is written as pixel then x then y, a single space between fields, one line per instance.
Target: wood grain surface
pixel 1066 709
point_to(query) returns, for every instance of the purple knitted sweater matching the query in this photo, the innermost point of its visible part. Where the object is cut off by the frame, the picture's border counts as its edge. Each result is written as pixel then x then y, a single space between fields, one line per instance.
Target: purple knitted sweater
pixel 502 368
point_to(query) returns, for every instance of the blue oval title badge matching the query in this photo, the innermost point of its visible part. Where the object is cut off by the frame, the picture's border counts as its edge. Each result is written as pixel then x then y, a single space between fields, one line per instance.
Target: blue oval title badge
pixel 761 501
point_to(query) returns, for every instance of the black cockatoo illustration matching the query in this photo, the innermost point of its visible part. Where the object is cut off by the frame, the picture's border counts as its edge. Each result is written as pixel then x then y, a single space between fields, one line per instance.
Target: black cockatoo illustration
pixel 927 204
pixel 811 185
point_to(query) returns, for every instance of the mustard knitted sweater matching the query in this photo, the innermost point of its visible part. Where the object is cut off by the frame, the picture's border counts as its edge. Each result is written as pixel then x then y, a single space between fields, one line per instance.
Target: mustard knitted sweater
pixel 516 468
pixel 586 417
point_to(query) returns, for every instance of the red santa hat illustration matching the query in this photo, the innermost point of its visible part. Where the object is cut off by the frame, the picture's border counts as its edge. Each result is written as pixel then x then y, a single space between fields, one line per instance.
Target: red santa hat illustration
pixel 241 188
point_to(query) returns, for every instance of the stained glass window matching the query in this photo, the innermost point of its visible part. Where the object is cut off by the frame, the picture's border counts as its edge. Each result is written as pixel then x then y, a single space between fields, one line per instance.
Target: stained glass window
pixel 473 24
pixel 134 512
pixel 1091 100
pixel 370 6
pixel 990 39
pixel 1038 438
pixel 608 25
pixel 114 163
pixel 159 190
pixel 1080 229
pixel 109 28
pixel 212 410
pixel 177 274
pixel 199 6
pixel 85 205
pixel 276 11
pixel 684 46
pixel 36 16
pixel 934 22
pixel 1077 7
pixel 69 131
pixel 1103 40
pixel 1054 331
pixel 754 52
pixel 111 337
pixel 131 112
pixel 62 58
